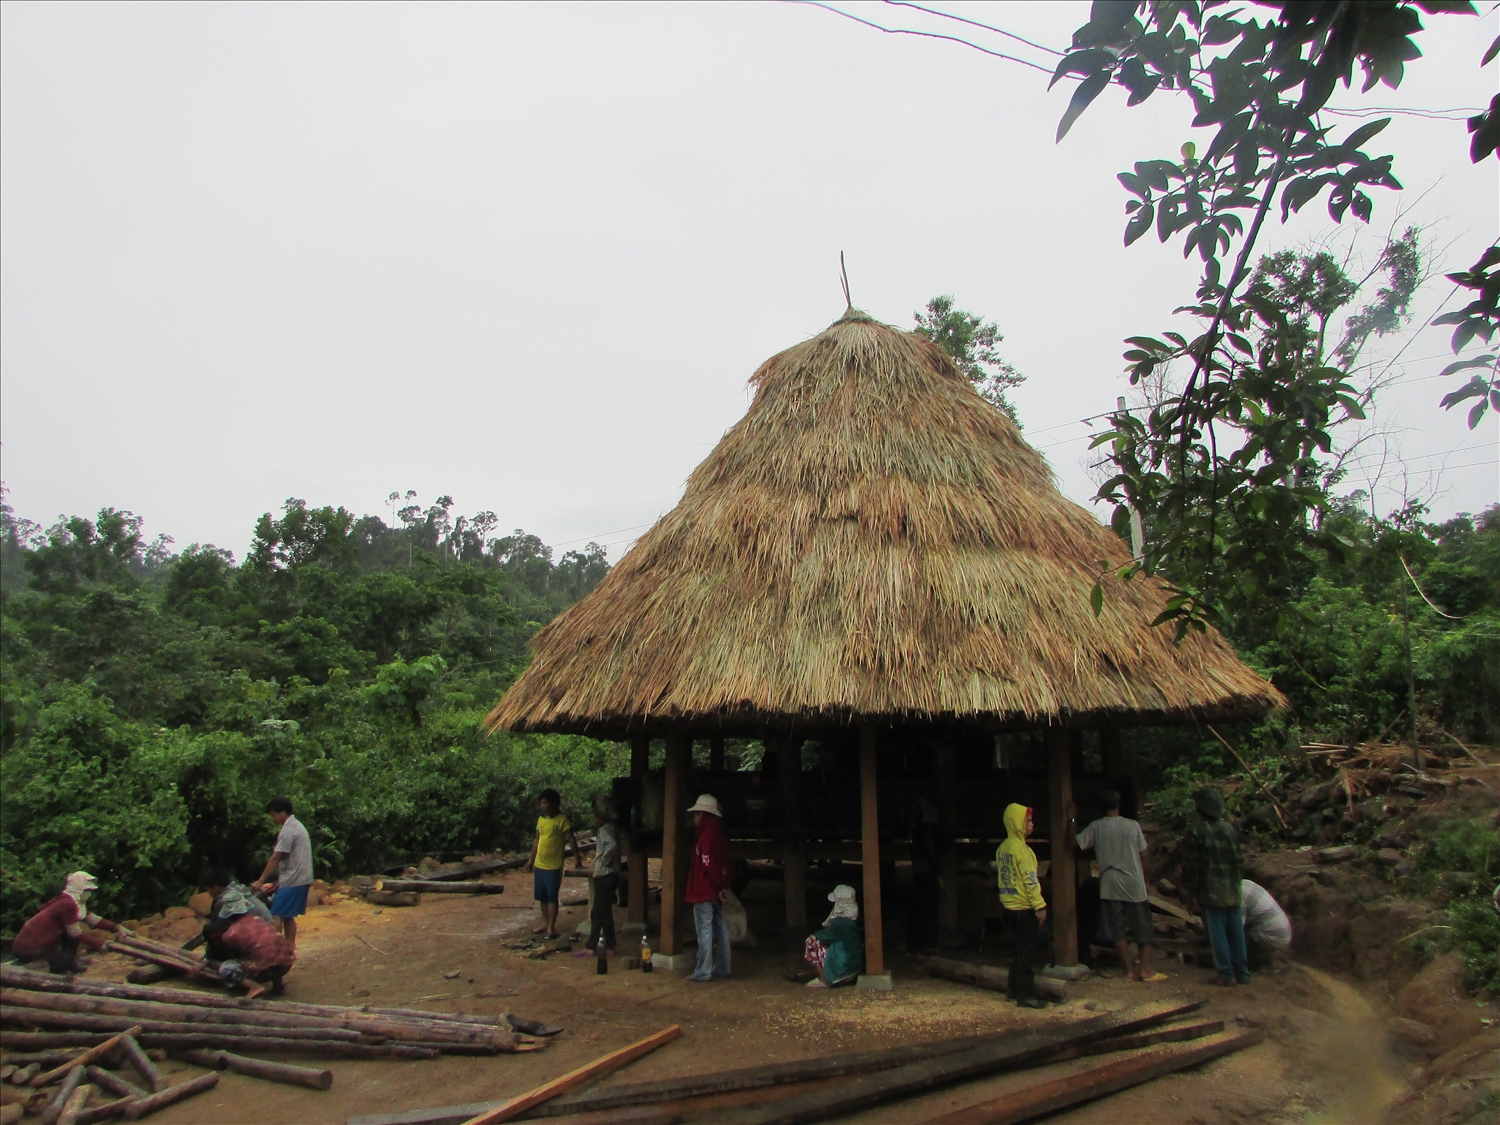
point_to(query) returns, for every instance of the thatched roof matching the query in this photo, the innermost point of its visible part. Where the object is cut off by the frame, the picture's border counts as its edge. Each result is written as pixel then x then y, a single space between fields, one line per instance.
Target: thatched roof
pixel 871 540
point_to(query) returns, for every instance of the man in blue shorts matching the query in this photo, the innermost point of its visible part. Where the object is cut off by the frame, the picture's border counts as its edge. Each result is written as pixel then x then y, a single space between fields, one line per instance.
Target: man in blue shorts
pixel 291 862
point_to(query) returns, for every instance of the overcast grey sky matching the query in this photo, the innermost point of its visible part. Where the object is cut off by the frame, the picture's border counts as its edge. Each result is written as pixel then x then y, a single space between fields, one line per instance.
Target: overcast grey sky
pixel 529 254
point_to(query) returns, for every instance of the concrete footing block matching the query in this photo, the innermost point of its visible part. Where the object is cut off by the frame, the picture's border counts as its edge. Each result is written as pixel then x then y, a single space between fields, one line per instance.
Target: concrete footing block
pixel 868 983
pixel 673 962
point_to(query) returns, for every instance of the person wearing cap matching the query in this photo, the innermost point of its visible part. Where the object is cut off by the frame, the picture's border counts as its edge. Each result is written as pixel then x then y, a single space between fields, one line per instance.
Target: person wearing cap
pixel 54 932
pixel 708 887
pixel 837 950
pixel 1025 908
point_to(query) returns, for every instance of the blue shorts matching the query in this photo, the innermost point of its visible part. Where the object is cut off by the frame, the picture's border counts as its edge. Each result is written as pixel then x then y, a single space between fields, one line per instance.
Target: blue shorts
pixel 546 885
pixel 288 902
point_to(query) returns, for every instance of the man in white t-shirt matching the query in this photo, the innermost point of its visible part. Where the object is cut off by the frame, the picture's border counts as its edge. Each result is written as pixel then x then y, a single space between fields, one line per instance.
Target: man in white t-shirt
pixel 1120 847
pixel 291 862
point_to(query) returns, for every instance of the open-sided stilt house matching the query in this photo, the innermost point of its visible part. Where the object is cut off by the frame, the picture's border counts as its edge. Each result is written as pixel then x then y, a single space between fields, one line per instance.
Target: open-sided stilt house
pixel 872 560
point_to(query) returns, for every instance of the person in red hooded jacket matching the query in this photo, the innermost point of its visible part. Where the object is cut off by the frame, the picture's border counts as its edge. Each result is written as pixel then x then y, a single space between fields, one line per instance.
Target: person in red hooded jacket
pixel 54 932
pixel 708 888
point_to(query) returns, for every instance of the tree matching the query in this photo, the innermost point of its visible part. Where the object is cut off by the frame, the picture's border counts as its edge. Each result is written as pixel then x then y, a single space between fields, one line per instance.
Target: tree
pixel 1262 85
pixel 971 342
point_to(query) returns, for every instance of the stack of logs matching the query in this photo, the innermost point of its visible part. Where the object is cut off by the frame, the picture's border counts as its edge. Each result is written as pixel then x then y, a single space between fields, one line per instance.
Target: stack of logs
pixel 43 1012
pixel 166 959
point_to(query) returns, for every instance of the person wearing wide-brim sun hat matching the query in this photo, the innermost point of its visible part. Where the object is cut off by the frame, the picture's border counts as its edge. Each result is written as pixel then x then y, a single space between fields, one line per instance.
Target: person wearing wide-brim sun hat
pixel 708 888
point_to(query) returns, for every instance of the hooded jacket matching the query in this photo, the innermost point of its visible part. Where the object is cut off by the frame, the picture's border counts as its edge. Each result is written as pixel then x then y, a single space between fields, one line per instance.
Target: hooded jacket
pixel 1019 887
pixel 709 871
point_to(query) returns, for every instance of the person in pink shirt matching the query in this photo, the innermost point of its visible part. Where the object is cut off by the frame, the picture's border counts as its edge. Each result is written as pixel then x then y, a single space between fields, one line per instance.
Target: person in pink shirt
pixel 708 889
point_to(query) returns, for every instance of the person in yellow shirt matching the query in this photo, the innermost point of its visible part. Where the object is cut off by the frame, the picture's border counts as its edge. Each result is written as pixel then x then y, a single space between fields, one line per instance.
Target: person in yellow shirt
pixel 1025 908
pixel 546 861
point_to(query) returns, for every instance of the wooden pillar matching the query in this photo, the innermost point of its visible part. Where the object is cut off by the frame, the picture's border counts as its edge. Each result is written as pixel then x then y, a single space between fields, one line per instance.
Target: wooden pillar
pixel 947 805
pixel 716 755
pixel 674 838
pixel 793 851
pixel 1060 833
pixel 640 762
pixel 869 824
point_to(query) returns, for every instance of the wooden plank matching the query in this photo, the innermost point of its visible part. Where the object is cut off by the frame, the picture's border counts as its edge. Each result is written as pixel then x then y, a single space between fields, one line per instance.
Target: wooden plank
pixel 869 829
pixel 1096 1082
pixel 466 870
pixel 510 1110
pixel 759 1077
pixel 433 887
pixel 1007 1053
pixel 1064 905
pixel 1166 907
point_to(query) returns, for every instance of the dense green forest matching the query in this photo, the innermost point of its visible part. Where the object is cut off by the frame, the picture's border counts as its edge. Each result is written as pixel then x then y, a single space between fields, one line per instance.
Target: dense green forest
pixel 154 702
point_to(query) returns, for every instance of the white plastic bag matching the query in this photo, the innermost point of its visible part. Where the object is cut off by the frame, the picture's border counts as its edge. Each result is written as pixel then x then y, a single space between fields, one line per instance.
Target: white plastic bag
pixel 737 922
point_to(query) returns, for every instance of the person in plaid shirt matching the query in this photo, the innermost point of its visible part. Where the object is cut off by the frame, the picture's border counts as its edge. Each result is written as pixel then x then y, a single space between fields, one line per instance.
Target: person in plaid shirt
pixel 1212 869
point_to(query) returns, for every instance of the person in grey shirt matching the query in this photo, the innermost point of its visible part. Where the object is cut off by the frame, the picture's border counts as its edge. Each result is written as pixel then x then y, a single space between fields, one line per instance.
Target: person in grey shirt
pixel 606 875
pixel 291 863
pixel 1120 847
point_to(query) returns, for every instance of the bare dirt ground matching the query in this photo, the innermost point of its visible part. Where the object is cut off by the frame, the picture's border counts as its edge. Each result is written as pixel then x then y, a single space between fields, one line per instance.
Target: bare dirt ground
pixel 1326 1058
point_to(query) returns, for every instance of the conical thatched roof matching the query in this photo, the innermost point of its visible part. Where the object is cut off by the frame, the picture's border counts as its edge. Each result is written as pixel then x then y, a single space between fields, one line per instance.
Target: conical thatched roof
pixel 872 539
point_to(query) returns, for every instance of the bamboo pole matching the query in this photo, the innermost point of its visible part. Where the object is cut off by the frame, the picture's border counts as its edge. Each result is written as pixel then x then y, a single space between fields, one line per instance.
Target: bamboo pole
pixel 131 1052
pixel 142 1107
pixel 334 1049
pixel 93 1054
pixel 508 1111
pixel 108 1080
pixel 46 982
pixel 70 1082
pixel 157 1012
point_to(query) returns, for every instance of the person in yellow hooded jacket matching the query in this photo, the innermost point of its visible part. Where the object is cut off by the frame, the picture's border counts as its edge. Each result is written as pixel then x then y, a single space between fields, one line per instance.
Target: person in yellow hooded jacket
pixel 1025 908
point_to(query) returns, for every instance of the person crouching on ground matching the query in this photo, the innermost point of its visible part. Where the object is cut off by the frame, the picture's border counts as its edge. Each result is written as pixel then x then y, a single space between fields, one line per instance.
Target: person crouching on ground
pixel 708 888
pixel 837 950
pixel 240 934
pixel 54 932
pixel 1120 847
pixel 1268 931
pixel 606 876
pixel 1025 908
pixel 291 863
pixel 553 829
pixel 1211 866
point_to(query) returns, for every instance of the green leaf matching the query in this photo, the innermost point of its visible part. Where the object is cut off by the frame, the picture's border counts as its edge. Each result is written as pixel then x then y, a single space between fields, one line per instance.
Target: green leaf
pixel 1465 364
pixel 1365 132
pixel 1139 223
pixel 1089 89
pixel 1096 595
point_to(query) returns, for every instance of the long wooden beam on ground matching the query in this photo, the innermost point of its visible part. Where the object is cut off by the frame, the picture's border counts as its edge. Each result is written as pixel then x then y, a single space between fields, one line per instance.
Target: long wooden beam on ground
pixel 1002 1054
pixel 510 1110
pixel 1096 1082
pixel 465 870
pixel 433 887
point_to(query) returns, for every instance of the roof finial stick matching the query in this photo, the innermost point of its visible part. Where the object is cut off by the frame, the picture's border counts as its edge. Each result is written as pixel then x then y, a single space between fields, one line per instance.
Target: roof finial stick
pixel 845 274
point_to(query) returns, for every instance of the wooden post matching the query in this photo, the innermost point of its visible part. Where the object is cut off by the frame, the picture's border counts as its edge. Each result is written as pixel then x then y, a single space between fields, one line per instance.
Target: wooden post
pixel 674 858
pixel 793 853
pixel 640 762
pixel 716 754
pixel 869 824
pixel 1060 832
pixel 947 804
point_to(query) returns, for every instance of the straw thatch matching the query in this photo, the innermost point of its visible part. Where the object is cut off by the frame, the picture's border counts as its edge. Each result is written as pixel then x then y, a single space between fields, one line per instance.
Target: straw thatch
pixel 872 540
